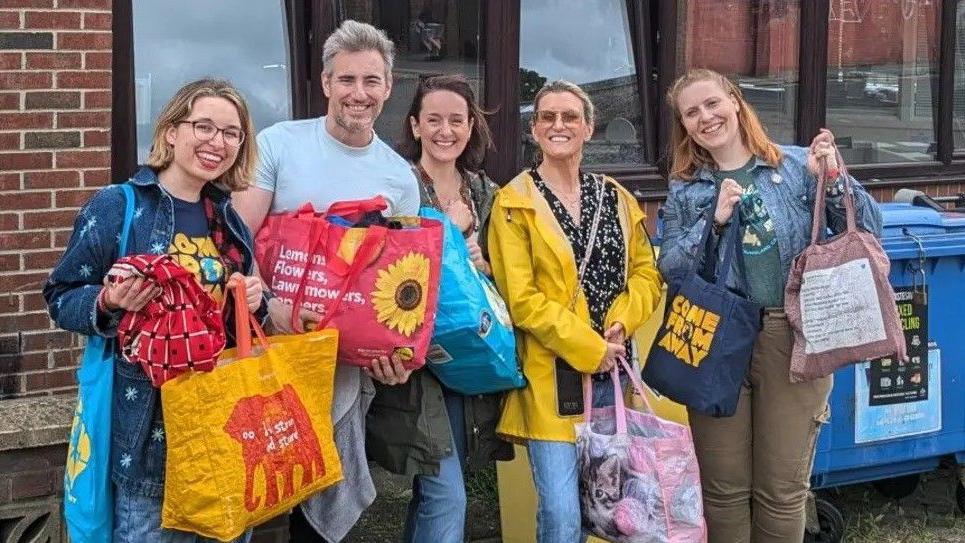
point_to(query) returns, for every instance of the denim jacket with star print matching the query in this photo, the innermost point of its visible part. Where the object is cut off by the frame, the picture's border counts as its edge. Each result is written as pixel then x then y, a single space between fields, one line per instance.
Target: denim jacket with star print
pixel 137 426
pixel 788 193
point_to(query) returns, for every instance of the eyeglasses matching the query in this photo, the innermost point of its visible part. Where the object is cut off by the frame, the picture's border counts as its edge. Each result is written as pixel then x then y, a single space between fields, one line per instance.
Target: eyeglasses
pixel 548 117
pixel 206 131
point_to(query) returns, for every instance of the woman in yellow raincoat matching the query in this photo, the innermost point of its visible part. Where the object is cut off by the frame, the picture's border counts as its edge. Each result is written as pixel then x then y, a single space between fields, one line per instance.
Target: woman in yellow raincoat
pixel 571 256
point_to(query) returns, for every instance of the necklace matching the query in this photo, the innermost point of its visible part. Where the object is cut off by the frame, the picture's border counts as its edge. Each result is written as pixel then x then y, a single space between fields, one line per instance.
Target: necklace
pixel 464 195
pixel 570 201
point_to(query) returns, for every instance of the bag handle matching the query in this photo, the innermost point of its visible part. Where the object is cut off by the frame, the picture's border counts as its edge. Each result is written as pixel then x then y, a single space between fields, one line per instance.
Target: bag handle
pixel 129 200
pixel 244 326
pixel 367 250
pixel 353 210
pixel 618 403
pixel 828 173
pixel 591 240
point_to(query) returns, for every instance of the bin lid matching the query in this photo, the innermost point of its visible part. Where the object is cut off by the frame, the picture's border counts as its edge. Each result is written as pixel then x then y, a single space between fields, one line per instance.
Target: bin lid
pixel 954 222
pixel 896 218
pixel 905 225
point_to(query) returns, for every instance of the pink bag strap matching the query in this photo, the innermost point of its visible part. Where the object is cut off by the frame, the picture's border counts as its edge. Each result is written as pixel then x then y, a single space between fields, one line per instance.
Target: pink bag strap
pixel 817 222
pixel 618 402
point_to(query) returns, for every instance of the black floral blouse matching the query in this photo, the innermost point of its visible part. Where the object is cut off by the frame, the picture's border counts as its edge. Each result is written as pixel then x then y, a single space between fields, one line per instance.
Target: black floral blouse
pixel 605 276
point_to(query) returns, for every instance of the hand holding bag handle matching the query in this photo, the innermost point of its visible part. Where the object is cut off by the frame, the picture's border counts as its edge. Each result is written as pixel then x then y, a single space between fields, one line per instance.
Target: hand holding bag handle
pixel 245 322
pixel 819 214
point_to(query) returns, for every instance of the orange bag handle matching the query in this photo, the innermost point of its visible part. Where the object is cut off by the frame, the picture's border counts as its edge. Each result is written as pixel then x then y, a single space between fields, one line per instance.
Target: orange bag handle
pixel 243 326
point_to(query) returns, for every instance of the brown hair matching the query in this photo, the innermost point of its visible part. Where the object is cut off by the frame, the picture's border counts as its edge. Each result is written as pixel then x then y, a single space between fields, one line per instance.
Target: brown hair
pixel 480 139
pixel 238 176
pixel 686 155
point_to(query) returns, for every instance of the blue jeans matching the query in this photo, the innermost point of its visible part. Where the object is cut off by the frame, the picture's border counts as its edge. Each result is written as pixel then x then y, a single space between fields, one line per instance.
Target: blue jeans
pixel 137 519
pixel 555 475
pixel 437 511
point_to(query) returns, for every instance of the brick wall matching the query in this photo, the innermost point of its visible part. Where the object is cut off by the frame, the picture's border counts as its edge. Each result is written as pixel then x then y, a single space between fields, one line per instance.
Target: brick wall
pixel 55 99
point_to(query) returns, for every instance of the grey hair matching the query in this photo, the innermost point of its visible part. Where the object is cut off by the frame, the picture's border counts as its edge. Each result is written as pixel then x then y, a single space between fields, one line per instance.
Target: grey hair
pixel 354 37
pixel 561 85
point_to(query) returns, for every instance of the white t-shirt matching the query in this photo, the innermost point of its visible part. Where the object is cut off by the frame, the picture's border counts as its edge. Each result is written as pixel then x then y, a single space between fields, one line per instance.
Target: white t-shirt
pixel 301 162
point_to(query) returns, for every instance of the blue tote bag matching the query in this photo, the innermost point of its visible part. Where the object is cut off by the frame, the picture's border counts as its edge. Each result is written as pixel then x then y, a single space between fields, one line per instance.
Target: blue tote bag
pixel 703 349
pixel 473 349
pixel 88 500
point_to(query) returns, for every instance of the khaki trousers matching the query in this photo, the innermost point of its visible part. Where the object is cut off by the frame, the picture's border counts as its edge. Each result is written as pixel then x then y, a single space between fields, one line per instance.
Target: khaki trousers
pixel 755 466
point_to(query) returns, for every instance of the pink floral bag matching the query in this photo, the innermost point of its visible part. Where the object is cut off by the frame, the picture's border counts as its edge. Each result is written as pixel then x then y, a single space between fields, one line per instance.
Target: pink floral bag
pixel 838 300
pixel 639 480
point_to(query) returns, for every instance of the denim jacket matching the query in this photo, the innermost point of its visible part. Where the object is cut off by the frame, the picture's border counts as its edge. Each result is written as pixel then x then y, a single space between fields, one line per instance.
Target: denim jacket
pixel 137 427
pixel 788 193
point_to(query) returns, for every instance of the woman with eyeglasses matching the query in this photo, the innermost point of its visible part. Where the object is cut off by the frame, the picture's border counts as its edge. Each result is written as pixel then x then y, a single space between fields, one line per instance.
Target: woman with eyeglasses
pixel 572 258
pixel 199 155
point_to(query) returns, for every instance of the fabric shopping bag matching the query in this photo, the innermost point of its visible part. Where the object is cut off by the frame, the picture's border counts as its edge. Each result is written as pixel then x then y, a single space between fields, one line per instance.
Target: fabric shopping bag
pixel 88 497
pixel 703 349
pixel 374 279
pixel 838 300
pixel 253 438
pixel 473 349
pixel 639 479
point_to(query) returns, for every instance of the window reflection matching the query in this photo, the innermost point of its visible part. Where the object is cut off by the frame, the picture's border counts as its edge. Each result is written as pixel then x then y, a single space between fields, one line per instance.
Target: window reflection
pixel 755 43
pixel 588 43
pixel 247 46
pixel 882 75
pixel 431 37
pixel 958 117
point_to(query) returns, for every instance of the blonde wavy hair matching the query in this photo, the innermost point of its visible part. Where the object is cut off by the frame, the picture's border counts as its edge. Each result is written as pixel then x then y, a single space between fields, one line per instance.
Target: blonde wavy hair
pixel 238 177
pixel 687 156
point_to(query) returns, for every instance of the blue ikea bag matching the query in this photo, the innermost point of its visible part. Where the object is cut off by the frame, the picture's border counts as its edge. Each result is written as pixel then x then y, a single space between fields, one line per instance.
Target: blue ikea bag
pixel 88 499
pixel 473 349
pixel 703 349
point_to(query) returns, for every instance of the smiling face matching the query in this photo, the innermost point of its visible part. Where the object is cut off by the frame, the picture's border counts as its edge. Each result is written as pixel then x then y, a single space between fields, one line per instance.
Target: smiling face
pixel 709 115
pixel 443 127
pixel 203 161
pixel 559 126
pixel 357 87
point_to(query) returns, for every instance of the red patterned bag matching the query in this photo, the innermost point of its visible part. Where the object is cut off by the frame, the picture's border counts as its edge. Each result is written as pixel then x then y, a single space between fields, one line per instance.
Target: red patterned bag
pixel 378 285
pixel 838 300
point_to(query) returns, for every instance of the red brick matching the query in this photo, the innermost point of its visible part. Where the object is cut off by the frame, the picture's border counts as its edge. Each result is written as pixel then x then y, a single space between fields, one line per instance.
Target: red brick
pixel 34 361
pixel 67 358
pixel 57 20
pixel 41 219
pixel 61 236
pixel 97 21
pixel 84 80
pixel 25 161
pixel 9 262
pixel 73 198
pixel 52 179
pixel 54 61
pixel 9 100
pixel 84 119
pixel 97 99
pixel 46 341
pixel 84 41
pixel 97 61
pixel 51 379
pixel 97 178
pixel 9 141
pixel 28 200
pixel 19 121
pixel 9 20
pixel 25 321
pixel 25 80
pixel 97 138
pixel 41 260
pixel 83 159
pixel 24 240
pixel 14 282
pixel 9 181
pixel 34 301
pixel 9 222
pixel 11 61
pixel 52 100
pixel 28 3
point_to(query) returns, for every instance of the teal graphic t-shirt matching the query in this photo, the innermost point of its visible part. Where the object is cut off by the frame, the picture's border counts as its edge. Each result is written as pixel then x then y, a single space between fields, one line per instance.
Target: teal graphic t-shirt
pixel 765 278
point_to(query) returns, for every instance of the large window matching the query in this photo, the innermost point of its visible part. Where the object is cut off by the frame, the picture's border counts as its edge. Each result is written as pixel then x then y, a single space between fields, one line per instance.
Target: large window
pixel 958 117
pixel 587 43
pixel 882 74
pixel 248 46
pixel 431 37
pixel 755 42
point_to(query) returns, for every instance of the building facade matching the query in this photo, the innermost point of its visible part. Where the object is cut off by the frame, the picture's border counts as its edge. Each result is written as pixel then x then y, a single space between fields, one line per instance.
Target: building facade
pixel 81 82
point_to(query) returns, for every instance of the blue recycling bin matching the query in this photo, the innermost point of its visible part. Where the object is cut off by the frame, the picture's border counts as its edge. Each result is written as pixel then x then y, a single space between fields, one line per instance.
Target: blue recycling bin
pixel 890 418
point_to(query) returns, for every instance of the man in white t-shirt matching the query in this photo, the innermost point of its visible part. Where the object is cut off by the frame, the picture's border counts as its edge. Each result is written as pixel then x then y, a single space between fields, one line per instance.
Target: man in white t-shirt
pixel 329 159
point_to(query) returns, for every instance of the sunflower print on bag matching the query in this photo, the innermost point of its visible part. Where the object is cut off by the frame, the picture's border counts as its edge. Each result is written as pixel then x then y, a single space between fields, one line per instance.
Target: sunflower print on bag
pixel 400 293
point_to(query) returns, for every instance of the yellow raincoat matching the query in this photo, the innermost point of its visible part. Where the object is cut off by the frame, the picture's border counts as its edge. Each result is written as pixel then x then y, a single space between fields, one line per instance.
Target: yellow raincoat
pixel 536 272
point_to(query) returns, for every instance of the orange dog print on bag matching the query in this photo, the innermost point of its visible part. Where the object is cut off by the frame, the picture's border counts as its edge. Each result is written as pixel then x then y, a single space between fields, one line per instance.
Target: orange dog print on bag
pixel 276 435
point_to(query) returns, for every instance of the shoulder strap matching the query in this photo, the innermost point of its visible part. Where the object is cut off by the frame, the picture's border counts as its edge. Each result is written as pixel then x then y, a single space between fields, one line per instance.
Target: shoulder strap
pixel 129 201
pixel 591 240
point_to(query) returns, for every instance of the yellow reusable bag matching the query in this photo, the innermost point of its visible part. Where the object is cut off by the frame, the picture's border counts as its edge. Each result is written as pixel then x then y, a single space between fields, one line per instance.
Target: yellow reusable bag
pixel 253 438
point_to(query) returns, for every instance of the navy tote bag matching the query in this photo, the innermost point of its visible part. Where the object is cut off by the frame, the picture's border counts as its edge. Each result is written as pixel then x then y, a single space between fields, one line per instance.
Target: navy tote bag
pixel 703 349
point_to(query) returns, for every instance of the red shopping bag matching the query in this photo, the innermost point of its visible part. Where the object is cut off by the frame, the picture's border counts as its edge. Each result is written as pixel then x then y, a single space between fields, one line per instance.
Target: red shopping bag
pixel 378 285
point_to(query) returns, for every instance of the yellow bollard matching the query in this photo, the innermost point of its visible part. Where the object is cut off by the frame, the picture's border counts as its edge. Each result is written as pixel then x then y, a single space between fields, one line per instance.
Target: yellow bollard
pixel 517 495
